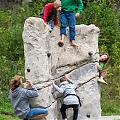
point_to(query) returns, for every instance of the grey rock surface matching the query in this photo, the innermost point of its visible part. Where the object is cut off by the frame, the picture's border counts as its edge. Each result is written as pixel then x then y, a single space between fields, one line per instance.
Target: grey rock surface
pixel 76 62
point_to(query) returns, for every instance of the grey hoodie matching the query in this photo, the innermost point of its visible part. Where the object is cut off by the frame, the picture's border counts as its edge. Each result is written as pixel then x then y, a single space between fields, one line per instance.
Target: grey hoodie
pixel 68 87
pixel 19 98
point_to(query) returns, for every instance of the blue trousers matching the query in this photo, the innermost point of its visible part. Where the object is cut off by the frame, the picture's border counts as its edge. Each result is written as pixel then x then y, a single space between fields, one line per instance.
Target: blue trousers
pixel 67 16
pixel 35 111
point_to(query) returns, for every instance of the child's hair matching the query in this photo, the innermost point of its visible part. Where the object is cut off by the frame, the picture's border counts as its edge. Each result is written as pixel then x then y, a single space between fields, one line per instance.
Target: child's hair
pixel 108 57
pixel 57 3
pixel 16 81
pixel 62 79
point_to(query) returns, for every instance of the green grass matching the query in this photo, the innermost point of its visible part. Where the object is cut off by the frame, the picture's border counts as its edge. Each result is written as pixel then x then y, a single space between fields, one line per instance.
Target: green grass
pixel 6 110
pixel 110 94
pixel 6 117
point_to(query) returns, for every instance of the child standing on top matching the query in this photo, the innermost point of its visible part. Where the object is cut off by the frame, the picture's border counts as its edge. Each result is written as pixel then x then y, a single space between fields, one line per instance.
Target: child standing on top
pixel 67 13
pixel 49 13
pixel 102 61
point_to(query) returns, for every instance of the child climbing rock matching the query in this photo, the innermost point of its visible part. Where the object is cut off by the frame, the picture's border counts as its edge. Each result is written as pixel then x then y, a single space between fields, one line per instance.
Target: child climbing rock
pixel 19 98
pixel 102 61
pixel 71 100
pixel 49 13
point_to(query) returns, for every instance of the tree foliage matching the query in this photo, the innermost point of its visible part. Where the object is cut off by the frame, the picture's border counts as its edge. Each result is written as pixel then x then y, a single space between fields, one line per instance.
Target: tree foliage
pixel 99 12
pixel 104 17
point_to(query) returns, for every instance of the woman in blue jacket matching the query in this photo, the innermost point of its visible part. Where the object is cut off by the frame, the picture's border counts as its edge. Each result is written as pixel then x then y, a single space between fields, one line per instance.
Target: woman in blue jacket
pixel 19 99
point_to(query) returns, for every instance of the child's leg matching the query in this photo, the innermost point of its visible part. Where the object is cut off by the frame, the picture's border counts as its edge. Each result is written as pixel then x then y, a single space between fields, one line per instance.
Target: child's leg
pixel 63 111
pixel 73 43
pixel 103 74
pixel 41 13
pixel 71 22
pixel 51 17
pixel 38 116
pixel 61 42
pixel 63 26
pixel 36 111
pixel 75 108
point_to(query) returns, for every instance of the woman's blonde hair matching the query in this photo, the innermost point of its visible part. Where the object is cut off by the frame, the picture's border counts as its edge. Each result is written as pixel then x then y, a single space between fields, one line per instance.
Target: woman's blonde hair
pixel 16 81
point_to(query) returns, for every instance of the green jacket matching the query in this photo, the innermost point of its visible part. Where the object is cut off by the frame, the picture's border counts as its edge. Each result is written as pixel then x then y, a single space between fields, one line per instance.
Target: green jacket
pixel 71 5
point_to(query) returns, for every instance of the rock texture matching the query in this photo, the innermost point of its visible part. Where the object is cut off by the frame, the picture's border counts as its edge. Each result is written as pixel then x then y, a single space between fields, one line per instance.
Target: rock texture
pixel 45 61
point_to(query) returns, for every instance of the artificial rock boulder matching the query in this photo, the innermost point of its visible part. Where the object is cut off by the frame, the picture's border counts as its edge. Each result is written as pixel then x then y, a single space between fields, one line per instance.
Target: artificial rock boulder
pixel 46 61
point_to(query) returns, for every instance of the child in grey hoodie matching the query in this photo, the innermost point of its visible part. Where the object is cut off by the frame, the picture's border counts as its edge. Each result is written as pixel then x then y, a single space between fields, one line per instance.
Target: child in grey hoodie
pixel 19 98
pixel 67 88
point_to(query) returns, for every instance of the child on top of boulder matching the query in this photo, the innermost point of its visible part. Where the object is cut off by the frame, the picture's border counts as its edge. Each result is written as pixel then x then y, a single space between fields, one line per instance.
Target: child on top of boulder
pixel 49 13
pixel 67 14
pixel 102 61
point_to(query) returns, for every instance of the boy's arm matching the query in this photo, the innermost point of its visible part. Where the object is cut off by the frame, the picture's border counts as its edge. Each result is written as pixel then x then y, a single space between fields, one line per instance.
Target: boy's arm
pixel 56 21
pixel 70 81
pixel 32 92
pixel 45 13
pixel 99 66
pixel 80 6
pixel 59 89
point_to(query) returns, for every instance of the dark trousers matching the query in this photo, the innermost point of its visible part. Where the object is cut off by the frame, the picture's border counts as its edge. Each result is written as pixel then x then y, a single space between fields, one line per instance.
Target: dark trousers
pixel 52 15
pixel 75 109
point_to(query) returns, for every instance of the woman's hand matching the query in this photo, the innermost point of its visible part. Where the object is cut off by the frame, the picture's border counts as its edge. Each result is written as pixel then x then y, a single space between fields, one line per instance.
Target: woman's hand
pixel 53 82
pixel 29 82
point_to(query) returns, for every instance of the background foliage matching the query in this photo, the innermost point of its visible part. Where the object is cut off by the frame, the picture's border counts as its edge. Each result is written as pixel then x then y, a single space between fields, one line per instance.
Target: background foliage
pixel 101 13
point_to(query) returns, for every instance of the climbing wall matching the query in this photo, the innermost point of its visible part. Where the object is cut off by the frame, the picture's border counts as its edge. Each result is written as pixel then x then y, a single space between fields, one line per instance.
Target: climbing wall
pixel 46 61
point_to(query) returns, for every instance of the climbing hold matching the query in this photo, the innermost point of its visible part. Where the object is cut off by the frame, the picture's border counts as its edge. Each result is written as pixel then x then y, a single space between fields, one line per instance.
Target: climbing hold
pixel 48 54
pixel 28 70
pixel 50 31
pixel 90 53
pixel 60 44
pixel 88 115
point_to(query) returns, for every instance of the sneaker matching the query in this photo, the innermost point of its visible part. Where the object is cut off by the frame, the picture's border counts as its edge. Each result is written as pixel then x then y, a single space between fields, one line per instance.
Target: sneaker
pixel 51 24
pixel 102 81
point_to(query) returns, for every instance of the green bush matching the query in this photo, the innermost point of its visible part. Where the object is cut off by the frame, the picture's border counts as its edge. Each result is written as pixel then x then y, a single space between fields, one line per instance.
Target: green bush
pixel 103 16
pixel 12 49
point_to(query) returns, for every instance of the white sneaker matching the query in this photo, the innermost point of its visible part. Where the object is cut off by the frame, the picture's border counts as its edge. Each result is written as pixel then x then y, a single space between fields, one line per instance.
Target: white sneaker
pixel 102 81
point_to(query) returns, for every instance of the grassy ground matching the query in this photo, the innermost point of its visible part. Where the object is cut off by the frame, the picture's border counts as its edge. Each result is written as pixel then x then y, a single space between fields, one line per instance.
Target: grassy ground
pixel 6 111
pixel 7 117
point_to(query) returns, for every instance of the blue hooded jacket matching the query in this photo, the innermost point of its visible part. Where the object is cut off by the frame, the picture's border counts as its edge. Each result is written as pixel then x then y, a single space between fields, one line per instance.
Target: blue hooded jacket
pixel 19 98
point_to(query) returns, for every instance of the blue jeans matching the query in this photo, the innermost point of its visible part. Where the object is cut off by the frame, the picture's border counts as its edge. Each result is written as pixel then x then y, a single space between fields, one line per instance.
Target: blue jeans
pixel 36 111
pixel 69 16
